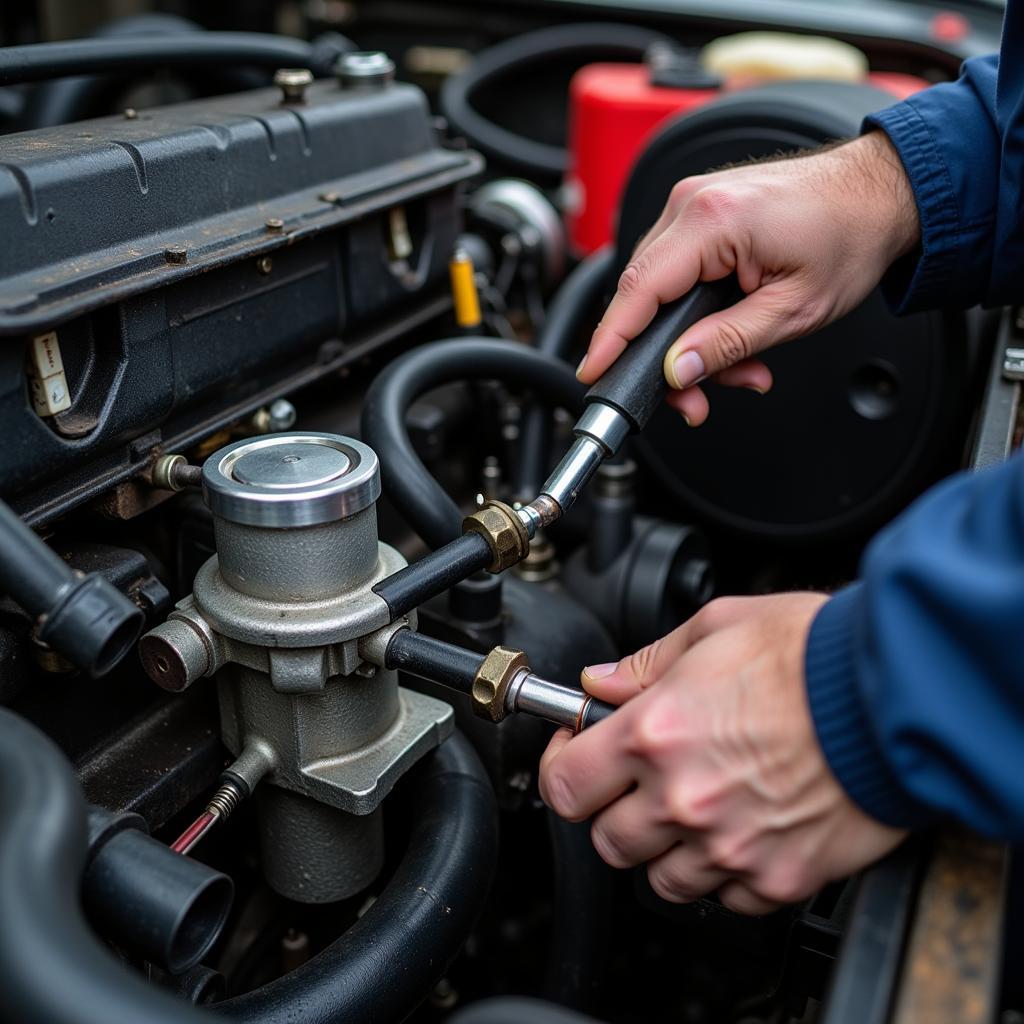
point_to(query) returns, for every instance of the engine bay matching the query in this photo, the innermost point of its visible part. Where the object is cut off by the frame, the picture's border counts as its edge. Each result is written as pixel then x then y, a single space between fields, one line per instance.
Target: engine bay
pixel 308 527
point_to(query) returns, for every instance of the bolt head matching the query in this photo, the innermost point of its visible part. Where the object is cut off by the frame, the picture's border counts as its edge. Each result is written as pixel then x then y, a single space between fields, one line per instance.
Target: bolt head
pixel 361 69
pixel 293 83
pixel 176 254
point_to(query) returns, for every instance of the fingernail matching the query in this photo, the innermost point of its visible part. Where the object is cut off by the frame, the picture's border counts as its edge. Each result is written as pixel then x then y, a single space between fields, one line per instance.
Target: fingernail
pixel 579 369
pixel 686 419
pixel 601 671
pixel 756 390
pixel 687 368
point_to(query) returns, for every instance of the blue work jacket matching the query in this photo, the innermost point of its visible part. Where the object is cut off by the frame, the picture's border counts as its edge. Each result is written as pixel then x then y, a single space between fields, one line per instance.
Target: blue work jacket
pixel 915 674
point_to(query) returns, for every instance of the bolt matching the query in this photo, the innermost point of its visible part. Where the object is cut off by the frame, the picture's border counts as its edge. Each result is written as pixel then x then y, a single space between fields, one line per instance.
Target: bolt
pixel 173 473
pixel 274 224
pixel 329 197
pixel 372 69
pixel 130 113
pixel 264 265
pixel 279 415
pixel 177 254
pixel 293 83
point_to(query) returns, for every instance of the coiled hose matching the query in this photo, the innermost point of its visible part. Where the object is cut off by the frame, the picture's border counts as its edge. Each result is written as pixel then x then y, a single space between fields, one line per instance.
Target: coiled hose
pixel 579 42
pixel 424 503
pixel 53 969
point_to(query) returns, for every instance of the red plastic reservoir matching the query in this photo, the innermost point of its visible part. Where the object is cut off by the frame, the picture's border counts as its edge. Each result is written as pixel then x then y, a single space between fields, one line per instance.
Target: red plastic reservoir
pixel 613 110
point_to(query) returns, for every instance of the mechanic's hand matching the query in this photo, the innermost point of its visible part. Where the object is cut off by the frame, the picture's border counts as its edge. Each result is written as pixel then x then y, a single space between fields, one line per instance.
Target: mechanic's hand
pixel 711 772
pixel 809 237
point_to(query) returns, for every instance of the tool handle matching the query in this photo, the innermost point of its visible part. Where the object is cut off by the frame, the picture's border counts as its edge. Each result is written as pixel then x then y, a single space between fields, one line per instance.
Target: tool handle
pixel 635 383
pixel 594 711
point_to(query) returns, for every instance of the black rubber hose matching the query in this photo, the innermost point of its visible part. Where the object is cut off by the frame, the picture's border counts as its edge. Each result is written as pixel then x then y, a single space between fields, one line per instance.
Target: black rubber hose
pixel 40 61
pixel 85 618
pixel 595 40
pixel 426 506
pixel 53 969
pixel 516 1010
pixel 432 659
pixel 569 311
pixel 389 960
pixel 435 573
pixel 581 917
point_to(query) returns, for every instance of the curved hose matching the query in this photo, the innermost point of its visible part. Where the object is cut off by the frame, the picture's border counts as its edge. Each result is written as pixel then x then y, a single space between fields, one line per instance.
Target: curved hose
pixel 422 500
pixel 386 963
pixel 581 41
pixel 574 302
pixel 53 969
pixel 73 99
pixel 581 918
pixel 116 55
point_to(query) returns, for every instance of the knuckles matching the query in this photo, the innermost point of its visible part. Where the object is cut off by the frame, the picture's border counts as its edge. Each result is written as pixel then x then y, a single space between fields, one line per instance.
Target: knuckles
pixel 608 847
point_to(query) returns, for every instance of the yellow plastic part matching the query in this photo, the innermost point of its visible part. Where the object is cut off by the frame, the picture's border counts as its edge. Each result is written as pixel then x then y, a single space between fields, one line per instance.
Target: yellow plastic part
pixel 464 291
pixel 769 56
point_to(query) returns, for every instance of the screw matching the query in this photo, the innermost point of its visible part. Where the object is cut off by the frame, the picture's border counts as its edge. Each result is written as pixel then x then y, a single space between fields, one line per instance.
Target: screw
pixel 264 264
pixel 274 224
pixel 177 254
pixel 293 83
pixel 130 113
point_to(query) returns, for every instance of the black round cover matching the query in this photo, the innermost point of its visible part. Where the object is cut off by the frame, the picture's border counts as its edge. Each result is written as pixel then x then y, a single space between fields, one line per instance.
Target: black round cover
pixel 861 412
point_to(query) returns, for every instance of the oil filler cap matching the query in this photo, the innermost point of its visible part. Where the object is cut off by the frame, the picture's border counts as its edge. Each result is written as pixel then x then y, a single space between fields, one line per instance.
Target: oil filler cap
pixel 291 480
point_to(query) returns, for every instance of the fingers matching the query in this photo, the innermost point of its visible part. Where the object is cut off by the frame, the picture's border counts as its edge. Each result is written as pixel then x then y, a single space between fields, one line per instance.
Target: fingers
pixel 662 273
pixel 742 899
pixel 751 374
pixel 691 403
pixel 684 874
pixel 580 777
pixel 767 316
pixel 629 832
pixel 617 682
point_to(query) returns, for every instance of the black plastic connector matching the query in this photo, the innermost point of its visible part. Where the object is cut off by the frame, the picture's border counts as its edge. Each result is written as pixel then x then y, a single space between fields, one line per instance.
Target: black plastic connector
pixel 85 618
pixel 142 895
pixel 635 383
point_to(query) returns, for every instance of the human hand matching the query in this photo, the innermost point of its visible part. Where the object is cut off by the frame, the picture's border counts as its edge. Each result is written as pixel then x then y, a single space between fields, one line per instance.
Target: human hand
pixel 711 772
pixel 808 237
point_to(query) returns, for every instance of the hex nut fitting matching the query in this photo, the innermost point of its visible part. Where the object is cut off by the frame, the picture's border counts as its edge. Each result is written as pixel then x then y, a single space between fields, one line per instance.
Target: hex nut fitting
pixel 504 532
pixel 492 680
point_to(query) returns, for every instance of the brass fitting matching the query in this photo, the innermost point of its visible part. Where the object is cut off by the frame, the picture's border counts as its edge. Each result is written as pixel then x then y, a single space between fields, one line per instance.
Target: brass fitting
pixel 504 532
pixel 491 683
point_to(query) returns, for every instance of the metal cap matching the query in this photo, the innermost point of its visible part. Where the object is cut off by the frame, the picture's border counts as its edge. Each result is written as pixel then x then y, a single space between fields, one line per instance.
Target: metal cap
pixel 365 68
pixel 293 479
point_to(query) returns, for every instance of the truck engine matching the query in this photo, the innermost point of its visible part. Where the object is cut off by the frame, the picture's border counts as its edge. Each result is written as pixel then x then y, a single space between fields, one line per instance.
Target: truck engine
pixel 307 527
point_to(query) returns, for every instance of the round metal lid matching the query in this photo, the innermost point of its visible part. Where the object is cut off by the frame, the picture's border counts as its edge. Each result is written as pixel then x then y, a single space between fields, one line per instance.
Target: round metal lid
pixel 291 479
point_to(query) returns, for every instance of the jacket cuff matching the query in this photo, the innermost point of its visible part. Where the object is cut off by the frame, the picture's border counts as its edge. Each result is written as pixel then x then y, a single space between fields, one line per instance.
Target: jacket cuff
pixel 842 721
pixel 945 269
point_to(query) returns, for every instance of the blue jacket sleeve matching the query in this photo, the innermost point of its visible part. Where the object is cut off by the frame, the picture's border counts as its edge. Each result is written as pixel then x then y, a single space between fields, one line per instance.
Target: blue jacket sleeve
pixel 962 146
pixel 915 675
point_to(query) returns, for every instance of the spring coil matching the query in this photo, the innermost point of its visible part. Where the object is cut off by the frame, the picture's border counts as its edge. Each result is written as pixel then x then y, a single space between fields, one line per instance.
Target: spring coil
pixel 225 800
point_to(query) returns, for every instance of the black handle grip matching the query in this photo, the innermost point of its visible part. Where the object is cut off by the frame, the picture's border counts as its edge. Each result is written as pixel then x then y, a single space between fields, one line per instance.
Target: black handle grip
pixel 635 384
pixel 594 711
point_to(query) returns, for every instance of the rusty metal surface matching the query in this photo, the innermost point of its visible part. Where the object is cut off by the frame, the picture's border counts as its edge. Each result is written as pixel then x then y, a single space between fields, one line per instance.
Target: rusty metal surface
pixel 952 966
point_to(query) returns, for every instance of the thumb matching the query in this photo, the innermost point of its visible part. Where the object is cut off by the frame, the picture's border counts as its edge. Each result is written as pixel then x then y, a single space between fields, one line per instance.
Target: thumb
pixel 772 314
pixel 619 681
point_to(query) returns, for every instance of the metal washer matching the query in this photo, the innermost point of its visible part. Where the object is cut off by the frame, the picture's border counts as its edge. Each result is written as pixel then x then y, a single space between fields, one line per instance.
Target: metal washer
pixel 291 479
